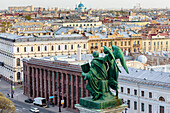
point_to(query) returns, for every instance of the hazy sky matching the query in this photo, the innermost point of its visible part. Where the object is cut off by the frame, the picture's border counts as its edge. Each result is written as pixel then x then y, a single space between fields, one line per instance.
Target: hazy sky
pixel 116 4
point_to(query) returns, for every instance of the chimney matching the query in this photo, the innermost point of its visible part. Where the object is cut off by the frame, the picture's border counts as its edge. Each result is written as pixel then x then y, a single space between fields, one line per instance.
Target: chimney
pixel 78 53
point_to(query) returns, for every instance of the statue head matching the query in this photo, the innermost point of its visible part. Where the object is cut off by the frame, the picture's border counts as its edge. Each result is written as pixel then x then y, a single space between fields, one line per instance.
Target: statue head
pixel 95 54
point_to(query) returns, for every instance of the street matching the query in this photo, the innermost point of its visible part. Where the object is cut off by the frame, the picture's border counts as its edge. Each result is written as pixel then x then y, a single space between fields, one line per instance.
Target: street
pixel 25 107
pixel 18 100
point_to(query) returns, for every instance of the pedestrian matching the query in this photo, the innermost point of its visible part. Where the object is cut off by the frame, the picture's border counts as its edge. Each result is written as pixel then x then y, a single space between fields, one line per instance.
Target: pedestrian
pixel 8 94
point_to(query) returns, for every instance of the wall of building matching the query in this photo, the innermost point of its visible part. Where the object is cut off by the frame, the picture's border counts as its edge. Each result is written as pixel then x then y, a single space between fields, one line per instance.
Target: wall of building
pixel 156 44
pixel 12 53
pixel 44 81
pixel 146 99
pixel 128 44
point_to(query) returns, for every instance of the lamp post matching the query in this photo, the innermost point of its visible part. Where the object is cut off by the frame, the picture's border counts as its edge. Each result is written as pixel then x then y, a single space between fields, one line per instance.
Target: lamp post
pixel 59 98
pixel 11 87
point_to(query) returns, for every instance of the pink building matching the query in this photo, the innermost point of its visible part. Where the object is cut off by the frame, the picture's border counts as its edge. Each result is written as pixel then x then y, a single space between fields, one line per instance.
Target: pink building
pixel 42 78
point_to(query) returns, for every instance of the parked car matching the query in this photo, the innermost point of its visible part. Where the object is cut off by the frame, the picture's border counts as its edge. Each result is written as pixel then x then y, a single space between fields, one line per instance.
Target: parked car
pixel 34 110
pixel 29 100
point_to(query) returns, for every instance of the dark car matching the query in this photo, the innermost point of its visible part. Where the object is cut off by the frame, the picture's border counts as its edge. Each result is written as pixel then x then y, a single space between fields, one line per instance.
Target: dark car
pixel 29 100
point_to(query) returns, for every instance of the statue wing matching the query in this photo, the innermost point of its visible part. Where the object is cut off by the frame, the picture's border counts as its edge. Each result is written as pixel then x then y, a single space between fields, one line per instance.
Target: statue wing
pixel 119 55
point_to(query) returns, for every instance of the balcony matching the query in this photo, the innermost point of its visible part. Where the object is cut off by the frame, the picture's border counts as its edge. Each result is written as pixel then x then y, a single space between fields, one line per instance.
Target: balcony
pixel 136 45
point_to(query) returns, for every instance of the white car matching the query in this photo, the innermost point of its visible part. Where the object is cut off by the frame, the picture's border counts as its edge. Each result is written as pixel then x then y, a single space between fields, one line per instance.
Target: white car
pixel 34 110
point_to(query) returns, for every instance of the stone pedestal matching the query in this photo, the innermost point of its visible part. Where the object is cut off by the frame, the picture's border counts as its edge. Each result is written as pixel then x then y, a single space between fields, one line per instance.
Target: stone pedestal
pixel 117 109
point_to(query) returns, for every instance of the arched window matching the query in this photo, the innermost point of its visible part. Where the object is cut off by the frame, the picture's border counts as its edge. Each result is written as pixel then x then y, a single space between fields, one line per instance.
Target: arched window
pixel 18 62
pixel 38 48
pixel 17 49
pixel 65 47
pixel 25 49
pixel 161 99
pixel 18 76
pixel 52 48
pixel 59 47
pixel 45 48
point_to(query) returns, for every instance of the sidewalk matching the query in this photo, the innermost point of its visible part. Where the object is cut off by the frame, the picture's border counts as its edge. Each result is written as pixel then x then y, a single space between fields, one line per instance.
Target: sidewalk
pixel 19 96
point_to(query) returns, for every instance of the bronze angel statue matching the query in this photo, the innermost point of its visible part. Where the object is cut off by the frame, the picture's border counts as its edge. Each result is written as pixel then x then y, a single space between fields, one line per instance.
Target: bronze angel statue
pixel 103 73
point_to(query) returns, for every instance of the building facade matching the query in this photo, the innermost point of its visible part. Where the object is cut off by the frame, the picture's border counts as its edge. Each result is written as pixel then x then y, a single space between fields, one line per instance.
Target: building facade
pixel 132 44
pixel 145 91
pixel 43 78
pixel 156 43
pixel 80 24
pixel 14 48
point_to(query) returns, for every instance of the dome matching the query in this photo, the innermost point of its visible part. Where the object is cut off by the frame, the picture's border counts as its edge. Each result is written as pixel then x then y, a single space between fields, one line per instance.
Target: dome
pixel 142 59
pixel 80 5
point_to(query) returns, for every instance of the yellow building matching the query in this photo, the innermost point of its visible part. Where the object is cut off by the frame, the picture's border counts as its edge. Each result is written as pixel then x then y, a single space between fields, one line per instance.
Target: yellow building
pixel 156 43
pixel 131 44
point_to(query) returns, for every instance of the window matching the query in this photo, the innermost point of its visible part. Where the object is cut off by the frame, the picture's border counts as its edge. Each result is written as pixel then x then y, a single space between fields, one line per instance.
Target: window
pixel 72 46
pixel 59 47
pixel 121 43
pixel 135 92
pixel 144 43
pixel 166 42
pixel 129 42
pixel 122 89
pixel 52 48
pixel 45 48
pixel 95 45
pixel 32 49
pixel 101 44
pixel 128 103
pixel 115 43
pixel 149 43
pixel 18 62
pixel 17 49
pixel 154 43
pixel 150 94
pixel 125 43
pixel 65 47
pixel 38 48
pixel 161 109
pixel 84 46
pixel 150 108
pixel 161 43
pixel 142 107
pixel 18 76
pixel 128 90
pixel 142 93
pixel 25 49
pixel 134 42
pixel 109 44
pixel 138 42
pixel 105 44
pixel 91 44
pixel 135 105
pixel 161 99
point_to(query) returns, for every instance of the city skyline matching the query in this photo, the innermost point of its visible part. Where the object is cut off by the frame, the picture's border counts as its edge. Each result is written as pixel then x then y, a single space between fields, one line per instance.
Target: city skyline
pixel 108 4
